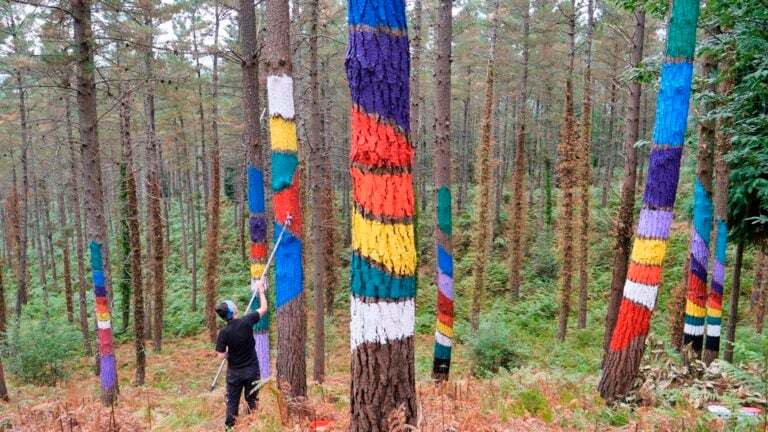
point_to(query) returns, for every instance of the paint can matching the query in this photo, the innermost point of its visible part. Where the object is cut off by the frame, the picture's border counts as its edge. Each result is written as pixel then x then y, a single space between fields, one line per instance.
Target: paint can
pixel 320 425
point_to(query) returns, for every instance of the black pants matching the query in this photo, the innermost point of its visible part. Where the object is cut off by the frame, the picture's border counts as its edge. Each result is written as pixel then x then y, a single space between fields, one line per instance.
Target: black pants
pixel 237 381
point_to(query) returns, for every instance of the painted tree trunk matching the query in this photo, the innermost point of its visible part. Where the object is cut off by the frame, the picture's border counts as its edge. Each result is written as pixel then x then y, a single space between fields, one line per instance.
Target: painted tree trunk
pixel 566 178
pixel 518 217
pixel 97 229
pixel 627 343
pixel 289 273
pixel 696 298
pixel 715 296
pixel 384 253
pixel 733 308
pixel 257 218
pixel 444 228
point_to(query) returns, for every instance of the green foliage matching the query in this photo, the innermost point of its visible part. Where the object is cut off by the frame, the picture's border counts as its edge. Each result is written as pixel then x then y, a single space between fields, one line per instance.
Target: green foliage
pixel 543 261
pixel 534 403
pixel 492 346
pixel 231 176
pixel 44 348
pixel 614 417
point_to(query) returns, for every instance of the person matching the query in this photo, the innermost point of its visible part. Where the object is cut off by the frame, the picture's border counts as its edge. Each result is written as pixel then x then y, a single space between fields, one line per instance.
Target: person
pixel 235 343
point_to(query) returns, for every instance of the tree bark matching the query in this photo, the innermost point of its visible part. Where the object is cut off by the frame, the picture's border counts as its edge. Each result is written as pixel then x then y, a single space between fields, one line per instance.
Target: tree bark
pixel 64 243
pixel 625 217
pixel 97 229
pixel 291 318
pixel 733 307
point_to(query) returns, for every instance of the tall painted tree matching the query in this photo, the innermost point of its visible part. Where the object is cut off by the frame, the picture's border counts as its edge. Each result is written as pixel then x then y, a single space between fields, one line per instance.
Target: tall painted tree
pixel 384 253
pixel 701 229
pixel 518 218
pixel 444 228
pixel 94 201
pixel 481 241
pixel 643 277
pixel 257 220
pixel 289 276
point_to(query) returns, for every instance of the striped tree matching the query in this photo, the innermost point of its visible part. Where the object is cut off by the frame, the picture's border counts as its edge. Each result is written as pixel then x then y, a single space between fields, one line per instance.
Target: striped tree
pixel 289 275
pixel 627 342
pixel 384 252
pixel 257 221
pixel 94 196
pixel 443 230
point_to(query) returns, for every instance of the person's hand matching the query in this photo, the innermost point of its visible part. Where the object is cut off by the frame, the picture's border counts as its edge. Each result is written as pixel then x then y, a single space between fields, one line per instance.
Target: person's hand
pixel 262 286
pixel 258 286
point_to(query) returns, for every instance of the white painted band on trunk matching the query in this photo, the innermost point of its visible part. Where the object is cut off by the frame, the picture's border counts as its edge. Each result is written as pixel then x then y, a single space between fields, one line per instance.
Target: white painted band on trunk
pixel 640 293
pixel 443 339
pixel 104 325
pixel 713 330
pixel 381 322
pixel 694 330
pixel 280 96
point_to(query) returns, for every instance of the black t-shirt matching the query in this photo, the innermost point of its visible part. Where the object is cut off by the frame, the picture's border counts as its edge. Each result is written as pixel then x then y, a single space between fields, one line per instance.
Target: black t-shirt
pixel 237 335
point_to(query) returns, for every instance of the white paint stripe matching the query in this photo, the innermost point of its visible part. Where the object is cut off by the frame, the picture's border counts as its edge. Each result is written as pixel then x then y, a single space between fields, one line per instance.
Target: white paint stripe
pixel 280 96
pixel 640 293
pixel 381 322
pixel 694 330
pixel 104 325
pixel 443 339
pixel 713 330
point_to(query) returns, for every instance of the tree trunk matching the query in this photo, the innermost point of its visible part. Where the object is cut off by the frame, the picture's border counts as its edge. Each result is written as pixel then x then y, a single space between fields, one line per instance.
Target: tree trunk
pixel 444 227
pixel 626 348
pixel 201 114
pixel 462 170
pixel 676 305
pixel 22 283
pixel 249 41
pixel 384 252
pixel 637 45
pixel 758 276
pixel 97 229
pixel 585 172
pixel 715 296
pixel 696 307
pixel 330 277
pixel 214 202
pixel 733 307
pixel 625 217
pixel 291 318
pixel 567 172
pixel 67 260
pixel 759 308
pixel 3 318
pixel 3 387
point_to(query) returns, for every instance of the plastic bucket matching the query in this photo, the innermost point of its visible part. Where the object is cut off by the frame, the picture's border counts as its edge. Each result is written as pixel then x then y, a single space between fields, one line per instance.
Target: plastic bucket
pixel 320 425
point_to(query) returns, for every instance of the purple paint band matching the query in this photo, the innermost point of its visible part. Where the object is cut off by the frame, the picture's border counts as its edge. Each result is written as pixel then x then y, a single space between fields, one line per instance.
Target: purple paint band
pixel 654 223
pixel 699 249
pixel 717 287
pixel 377 69
pixel 445 284
pixel 262 352
pixel 718 271
pixel 258 228
pixel 699 270
pixel 663 175
pixel 108 371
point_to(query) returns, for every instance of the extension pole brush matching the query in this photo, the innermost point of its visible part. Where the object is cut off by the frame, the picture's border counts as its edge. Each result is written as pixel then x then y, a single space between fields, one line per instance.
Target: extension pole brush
pixel 288 220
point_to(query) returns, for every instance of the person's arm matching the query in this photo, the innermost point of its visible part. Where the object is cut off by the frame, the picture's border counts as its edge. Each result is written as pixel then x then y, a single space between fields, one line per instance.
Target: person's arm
pixel 221 347
pixel 263 306
pixel 221 355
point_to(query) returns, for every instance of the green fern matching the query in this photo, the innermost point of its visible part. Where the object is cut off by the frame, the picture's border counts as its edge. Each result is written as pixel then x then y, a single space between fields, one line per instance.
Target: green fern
pixel 753 383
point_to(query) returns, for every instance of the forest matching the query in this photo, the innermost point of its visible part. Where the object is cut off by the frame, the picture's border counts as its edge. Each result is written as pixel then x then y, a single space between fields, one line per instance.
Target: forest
pixel 463 215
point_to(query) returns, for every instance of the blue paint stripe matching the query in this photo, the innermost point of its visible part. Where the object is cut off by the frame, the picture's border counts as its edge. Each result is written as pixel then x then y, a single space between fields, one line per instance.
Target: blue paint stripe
pixel 255 190
pixel 672 103
pixel 697 321
pixel 283 167
pixel 442 351
pixel 444 261
pixel 98 278
pixel 722 241
pixel 96 259
pixel 383 13
pixel 714 320
pixel 702 212
pixel 370 282
pixel 289 274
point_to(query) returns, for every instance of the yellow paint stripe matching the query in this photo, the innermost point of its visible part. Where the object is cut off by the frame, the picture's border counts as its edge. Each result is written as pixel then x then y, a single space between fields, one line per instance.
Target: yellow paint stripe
pixel 104 316
pixel 696 311
pixel 648 251
pixel 256 270
pixel 391 245
pixel 716 313
pixel 444 329
pixel 283 134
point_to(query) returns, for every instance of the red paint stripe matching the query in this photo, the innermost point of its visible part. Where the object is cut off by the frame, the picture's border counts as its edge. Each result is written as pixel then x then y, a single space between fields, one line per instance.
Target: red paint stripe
pixel 697 290
pixel 383 195
pixel 644 274
pixel 634 320
pixel 715 301
pixel 446 319
pixel 258 251
pixel 377 144
pixel 105 341
pixel 287 201
pixel 101 300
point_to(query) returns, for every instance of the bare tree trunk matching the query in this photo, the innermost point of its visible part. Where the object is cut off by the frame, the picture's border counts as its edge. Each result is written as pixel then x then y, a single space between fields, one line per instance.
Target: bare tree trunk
pixel 566 176
pixel 201 113
pixel 22 290
pixel 625 218
pixel 214 203
pixel 64 243
pixel 610 151
pixel 733 307
pixel 97 229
